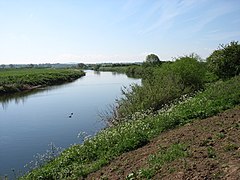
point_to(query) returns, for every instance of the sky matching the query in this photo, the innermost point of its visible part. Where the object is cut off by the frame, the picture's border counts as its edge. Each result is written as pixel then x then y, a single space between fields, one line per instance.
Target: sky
pixel 96 31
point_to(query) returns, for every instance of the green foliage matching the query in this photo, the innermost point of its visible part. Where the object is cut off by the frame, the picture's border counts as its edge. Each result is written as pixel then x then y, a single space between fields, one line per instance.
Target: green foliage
pixel 131 70
pixel 153 59
pixel 225 62
pixel 79 160
pixel 162 157
pixel 231 147
pixel 81 65
pixel 211 152
pixel 190 71
pixel 96 67
pixel 161 85
pixel 135 71
pixel 15 80
pixel 219 96
pixel 117 69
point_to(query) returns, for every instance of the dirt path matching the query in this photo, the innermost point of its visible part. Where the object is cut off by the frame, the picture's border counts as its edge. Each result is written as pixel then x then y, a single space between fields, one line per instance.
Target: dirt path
pixel 213 147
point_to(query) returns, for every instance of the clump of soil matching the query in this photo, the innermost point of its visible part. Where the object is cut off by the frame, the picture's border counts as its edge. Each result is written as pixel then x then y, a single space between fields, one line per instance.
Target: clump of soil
pixel 213 147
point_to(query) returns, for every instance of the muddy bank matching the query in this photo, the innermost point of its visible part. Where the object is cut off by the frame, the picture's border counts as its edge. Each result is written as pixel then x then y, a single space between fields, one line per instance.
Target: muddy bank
pixel 213 147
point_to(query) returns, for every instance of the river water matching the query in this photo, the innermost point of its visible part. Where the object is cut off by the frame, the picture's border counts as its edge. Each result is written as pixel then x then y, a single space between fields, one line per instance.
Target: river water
pixel 29 122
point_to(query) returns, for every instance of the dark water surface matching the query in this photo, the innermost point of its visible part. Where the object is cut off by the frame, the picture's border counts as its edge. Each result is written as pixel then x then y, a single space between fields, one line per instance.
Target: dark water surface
pixel 30 122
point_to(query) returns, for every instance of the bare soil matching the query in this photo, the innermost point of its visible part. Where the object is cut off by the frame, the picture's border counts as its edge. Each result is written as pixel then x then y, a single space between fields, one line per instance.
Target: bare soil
pixel 213 147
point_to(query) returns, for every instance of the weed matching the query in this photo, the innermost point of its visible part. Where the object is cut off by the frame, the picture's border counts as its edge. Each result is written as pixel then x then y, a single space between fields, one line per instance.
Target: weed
pixel 211 152
pixel 230 147
pixel 164 156
pixel 147 173
pixel 221 135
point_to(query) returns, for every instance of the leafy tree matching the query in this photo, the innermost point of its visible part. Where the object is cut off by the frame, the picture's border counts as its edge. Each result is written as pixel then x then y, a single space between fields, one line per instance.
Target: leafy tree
pixel 31 66
pixel 3 66
pixel 81 65
pixel 96 67
pixel 152 59
pixel 225 62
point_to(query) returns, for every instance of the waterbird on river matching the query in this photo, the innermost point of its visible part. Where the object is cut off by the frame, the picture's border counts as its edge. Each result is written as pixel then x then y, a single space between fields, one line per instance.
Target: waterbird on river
pixel 70 116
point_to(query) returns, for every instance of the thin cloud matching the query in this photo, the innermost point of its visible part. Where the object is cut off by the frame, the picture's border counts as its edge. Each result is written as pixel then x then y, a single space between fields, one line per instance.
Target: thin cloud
pixel 168 11
pixel 212 14
pixel 166 14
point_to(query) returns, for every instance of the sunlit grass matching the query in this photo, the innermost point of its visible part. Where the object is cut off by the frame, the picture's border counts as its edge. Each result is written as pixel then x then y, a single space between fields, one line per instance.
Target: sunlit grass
pixel 15 80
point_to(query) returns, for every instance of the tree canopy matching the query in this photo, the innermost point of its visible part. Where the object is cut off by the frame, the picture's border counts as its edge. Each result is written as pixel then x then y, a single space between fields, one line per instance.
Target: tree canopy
pixel 153 59
pixel 225 62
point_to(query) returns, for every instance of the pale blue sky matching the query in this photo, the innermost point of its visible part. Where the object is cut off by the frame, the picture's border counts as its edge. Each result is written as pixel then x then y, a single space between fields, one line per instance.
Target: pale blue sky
pixel 41 31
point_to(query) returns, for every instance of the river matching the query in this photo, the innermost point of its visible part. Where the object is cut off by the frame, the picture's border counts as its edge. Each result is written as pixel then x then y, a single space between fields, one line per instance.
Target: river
pixel 29 122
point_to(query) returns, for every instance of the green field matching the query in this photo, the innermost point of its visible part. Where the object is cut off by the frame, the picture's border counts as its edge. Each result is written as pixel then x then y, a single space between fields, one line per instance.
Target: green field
pixel 17 80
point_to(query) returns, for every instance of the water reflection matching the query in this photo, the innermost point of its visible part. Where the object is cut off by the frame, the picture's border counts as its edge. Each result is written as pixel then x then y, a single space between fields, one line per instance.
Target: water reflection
pixel 97 72
pixel 33 119
pixel 17 97
pixel 116 73
pixel 21 97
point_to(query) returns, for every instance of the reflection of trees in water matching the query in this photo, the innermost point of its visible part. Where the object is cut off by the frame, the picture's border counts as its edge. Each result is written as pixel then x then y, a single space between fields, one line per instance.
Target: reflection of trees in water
pixel 116 73
pixel 17 97
pixel 97 72
pixel 21 97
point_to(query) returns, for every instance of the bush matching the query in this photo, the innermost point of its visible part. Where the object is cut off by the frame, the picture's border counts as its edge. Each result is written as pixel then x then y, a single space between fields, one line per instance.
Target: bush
pixel 225 62
pixel 161 85
pixel 190 72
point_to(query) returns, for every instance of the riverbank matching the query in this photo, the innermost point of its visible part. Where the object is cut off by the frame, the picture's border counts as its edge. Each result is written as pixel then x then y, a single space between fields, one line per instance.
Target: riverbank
pixel 19 80
pixel 172 94
pixel 205 149
pixel 78 161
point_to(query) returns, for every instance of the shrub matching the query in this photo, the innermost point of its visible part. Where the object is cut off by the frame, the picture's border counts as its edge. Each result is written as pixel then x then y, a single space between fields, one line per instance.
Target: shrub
pixel 161 85
pixel 225 62
pixel 190 71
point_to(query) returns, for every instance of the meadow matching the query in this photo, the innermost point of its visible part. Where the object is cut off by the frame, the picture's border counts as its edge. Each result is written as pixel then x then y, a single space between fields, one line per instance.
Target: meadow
pixel 17 80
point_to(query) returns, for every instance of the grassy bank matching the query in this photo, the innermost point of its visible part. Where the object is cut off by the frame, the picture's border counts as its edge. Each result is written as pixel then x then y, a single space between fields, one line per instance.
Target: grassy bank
pixel 17 80
pixel 80 160
pixel 171 95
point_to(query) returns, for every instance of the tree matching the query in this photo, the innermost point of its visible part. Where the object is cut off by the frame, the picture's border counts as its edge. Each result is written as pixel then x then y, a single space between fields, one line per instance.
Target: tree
pixel 152 59
pixel 3 66
pixel 96 67
pixel 225 62
pixel 81 65
pixel 31 66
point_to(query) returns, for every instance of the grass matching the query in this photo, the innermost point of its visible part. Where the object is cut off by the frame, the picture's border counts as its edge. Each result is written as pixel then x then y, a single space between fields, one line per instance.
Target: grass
pixel 164 156
pixel 17 80
pixel 80 160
